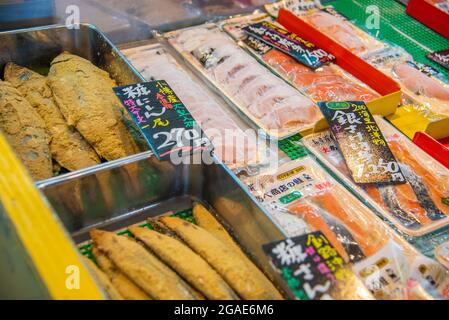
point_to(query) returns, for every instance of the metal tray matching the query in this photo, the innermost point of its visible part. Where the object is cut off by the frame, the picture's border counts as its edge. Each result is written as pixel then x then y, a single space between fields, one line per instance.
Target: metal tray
pixel 35 48
pixel 126 194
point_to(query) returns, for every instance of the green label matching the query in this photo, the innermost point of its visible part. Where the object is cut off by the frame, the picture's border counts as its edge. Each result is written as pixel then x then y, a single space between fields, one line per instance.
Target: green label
pixel 337 105
pixel 445 201
pixel 290 197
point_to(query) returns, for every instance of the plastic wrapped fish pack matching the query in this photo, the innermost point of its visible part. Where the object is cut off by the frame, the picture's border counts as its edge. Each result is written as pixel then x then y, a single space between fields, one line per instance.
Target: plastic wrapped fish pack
pixel 239 149
pixel 271 103
pixel 417 207
pixel 302 197
pixel 334 25
pixel 327 83
pixel 422 86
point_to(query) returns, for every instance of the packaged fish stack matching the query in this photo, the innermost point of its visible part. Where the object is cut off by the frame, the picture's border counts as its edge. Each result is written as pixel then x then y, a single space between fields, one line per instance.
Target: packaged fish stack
pixel 271 103
pixel 326 83
pixel 423 87
pixel 419 207
pixel 304 198
pixel 237 148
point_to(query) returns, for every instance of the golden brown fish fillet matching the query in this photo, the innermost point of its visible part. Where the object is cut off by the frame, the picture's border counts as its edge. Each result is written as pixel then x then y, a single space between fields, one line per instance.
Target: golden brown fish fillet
pixel 25 131
pixel 206 220
pixel 156 279
pixel 228 264
pixel 103 280
pixel 186 263
pixel 67 146
pixel 128 289
pixel 85 97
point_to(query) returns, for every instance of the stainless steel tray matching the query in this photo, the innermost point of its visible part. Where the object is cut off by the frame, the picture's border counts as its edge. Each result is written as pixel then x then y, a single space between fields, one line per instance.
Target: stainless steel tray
pixel 35 48
pixel 126 194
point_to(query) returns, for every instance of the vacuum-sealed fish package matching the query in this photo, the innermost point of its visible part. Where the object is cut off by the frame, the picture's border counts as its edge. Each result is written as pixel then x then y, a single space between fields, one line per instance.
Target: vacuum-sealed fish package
pixel 423 86
pixel 236 147
pixel 327 83
pixel 442 254
pixel 270 102
pixel 419 206
pixel 385 262
pixel 335 26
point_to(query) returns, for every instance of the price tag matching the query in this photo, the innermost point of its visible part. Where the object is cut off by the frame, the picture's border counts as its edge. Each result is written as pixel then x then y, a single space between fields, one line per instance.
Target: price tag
pixel 298 48
pixel 361 142
pixel 309 264
pixel 441 57
pixel 163 119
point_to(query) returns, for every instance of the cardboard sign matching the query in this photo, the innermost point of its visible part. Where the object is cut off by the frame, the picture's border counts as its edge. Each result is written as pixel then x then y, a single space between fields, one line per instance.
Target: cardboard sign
pixel 361 142
pixel 298 48
pixel 166 124
pixel 309 264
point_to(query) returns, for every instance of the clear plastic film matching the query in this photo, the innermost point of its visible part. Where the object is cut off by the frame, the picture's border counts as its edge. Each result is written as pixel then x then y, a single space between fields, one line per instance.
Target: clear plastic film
pixel 237 147
pixel 303 198
pixel 422 86
pixel 270 102
pixel 417 207
pixel 442 254
pixel 327 83
pixel 333 24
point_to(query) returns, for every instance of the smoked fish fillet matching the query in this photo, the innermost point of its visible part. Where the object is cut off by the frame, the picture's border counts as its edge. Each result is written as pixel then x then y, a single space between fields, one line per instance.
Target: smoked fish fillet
pixel 127 289
pixel 25 131
pixel 67 146
pixel 207 221
pixel 150 274
pixel 223 259
pixel 84 95
pixel 186 263
pixel 104 281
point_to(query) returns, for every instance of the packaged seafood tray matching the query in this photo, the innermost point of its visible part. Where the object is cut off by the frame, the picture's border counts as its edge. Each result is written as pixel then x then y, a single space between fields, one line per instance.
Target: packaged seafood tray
pixel 57 88
pixel 330 82
pixel 235 143
pixel 387 88
pixel 124 196
pixel 416 208
pixel 434 148
pixel 302 197
pixel 432 13
pixel 425 89
pixel 267 101
pixel 330 22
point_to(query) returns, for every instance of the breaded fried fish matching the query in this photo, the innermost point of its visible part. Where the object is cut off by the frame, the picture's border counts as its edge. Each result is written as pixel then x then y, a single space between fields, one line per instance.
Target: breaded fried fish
pixel 25 131
pixel 150 274
pixel 227 263
pixel 206 220
pixel 103 280
pixel 85 97
pixel 67 146
pixel 128 289
pixel 186 263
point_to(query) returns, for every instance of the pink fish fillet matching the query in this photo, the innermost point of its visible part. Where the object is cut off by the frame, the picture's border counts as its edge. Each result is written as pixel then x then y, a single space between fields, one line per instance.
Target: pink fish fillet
pixel 419 83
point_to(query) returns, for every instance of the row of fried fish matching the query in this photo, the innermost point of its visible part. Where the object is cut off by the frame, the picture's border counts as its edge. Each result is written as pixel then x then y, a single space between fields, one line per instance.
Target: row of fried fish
pixel 180 260
pixel 72 116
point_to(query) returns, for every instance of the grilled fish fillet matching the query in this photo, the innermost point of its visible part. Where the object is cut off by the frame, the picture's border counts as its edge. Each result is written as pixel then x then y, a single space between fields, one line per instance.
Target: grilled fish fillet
pixel 67 146
pixel 150 274
pixel 206 220
pixel 84 95
pixel 227 263
pixel 186 263
pixel 103 280
pixel 128 289
pixel 25 131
